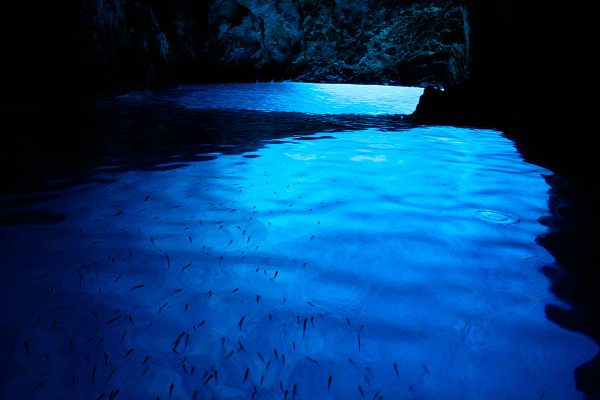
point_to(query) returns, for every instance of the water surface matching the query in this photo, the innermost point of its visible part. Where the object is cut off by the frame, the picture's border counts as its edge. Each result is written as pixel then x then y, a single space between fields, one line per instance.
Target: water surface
pixel 347 257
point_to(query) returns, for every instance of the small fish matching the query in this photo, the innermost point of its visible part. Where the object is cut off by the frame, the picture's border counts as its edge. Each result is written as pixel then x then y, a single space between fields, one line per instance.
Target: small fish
pixel 294 345
pixel 241 323
pixel 285 395
pixel 38 386
pixel 246 375
pixel 93 375
pixel 275 276
pixel 396 369
pixel 310 304
pixel 360 390
pixel 235 290
pixel 95 315
pixel 190 238
pixel 216 374
pixel 329 383
pixel 186 307
pixel 146 359
pixel 128 352
pixel 113 394
pixel 118 213
pixel 349 323
pixel 312 321
pixel 262 379
pixel 241 346
pixel 202 323
pixel 147 198
pixel 208 378
pixel 186 266
pixel 141 285
pixel 268 365
pixel 312 360
pixel 171 387
pixel 105 359
pixel 304 329
pixel 168 260
pixel 117 280
pixel 176 291
pixel 376 395
pixel 362 326
pixel 351 361
pixel 257 298
pixel 294 391
pixel 276 356
pixel 195 396
pixel 176 344
pixel 230 354
pixel 282 359
pixel 261 358
pixel 110 376
pixel 163 306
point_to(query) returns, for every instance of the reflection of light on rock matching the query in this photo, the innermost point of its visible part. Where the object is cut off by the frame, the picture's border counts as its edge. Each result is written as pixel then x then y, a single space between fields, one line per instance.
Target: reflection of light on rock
pixel 302 157
pixel 378 158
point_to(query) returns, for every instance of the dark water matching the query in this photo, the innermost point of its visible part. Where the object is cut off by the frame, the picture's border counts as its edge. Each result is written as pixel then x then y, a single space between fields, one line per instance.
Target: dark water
pixel 258 240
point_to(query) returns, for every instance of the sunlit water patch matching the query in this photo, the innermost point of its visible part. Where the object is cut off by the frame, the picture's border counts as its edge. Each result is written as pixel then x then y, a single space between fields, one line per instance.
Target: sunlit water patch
pixel 310 98
pixel 388 262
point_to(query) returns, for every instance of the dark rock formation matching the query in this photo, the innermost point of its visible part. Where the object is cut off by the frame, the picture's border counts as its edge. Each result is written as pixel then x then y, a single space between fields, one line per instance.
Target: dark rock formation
pixel 99 47
pixel 529 73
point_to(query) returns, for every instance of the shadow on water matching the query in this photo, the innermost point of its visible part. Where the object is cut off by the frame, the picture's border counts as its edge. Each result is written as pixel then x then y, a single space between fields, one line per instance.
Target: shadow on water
pixel 575 277
pixel 57 151
pixel 571 238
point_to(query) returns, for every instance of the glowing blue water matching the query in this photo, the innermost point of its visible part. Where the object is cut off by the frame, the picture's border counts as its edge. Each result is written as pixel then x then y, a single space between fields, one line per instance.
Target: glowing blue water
pixel 310 98
pixel 395 260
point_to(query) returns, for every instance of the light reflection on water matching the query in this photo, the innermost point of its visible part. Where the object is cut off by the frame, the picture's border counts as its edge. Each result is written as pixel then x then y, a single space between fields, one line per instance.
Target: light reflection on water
pixel 310 98
pixel 381 257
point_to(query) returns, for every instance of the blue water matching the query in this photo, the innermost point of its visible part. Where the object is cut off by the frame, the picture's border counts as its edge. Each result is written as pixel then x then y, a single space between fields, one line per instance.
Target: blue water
pixel 398 260
pixel 309 98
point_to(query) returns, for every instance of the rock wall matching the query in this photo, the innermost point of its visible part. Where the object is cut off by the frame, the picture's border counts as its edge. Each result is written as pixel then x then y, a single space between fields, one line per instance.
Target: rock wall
pixel 100 47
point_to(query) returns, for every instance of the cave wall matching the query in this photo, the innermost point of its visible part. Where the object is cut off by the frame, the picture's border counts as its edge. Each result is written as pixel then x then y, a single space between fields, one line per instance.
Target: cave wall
pixel 529 60
pixel 86 48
